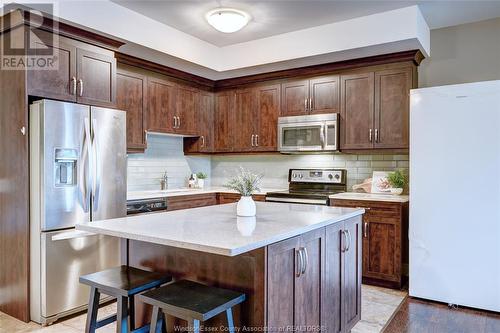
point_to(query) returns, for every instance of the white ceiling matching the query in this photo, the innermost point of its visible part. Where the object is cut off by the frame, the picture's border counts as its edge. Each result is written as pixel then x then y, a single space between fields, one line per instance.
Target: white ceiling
pixel 275 17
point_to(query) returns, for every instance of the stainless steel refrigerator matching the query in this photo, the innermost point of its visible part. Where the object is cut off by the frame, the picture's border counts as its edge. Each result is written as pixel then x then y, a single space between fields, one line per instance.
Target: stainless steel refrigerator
pixel 77 174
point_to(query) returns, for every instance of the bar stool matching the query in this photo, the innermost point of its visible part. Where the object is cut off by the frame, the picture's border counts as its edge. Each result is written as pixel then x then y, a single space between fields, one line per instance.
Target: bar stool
pixel 124 283
pixel 191 301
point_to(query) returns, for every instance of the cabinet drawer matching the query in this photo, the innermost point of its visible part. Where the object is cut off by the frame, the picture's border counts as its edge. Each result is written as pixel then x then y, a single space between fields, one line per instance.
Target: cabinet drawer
pixel 191 201
pixel 374 209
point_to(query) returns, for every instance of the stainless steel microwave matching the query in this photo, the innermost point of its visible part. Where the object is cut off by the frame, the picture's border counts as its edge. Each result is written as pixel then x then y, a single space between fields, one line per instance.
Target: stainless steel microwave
pixel 312 133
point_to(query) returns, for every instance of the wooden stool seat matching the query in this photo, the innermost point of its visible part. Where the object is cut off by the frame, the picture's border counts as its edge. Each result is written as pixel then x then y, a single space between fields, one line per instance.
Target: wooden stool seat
pixel 191 301
pixel 124 283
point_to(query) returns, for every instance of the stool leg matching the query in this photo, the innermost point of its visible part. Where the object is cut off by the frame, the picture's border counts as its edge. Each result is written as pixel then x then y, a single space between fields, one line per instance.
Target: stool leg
pixel 131 312
pixel 91 323
pixel 158 321
pixel 194 326
pixel 122 315
pixel 230 323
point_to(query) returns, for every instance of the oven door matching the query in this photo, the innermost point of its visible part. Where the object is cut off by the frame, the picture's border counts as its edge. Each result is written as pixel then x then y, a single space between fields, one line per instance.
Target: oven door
pixel 296 137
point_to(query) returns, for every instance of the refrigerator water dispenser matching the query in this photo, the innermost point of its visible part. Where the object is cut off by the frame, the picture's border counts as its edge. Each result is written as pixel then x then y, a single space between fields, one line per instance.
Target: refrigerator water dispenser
pixel 65 165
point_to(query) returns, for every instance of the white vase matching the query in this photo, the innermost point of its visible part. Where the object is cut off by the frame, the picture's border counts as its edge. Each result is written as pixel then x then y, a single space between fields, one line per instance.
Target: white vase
pixel 246 206
pixel 396 191
pixel 246 225
pixel 201 183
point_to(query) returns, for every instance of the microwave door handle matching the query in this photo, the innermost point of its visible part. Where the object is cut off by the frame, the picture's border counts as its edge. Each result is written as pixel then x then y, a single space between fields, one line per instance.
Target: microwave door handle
pixel 322 136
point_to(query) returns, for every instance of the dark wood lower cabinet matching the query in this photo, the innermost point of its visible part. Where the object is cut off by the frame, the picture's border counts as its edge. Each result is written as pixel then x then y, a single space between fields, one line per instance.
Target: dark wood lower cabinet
pixel 224 198
pixel 191 201
pixel 385 241
pixel 314 279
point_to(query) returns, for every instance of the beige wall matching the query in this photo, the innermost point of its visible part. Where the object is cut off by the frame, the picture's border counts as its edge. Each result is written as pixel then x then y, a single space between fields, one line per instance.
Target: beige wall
pixel 463 53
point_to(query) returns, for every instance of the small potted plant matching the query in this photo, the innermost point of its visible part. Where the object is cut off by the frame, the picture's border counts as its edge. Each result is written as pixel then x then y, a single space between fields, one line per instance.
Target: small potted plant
pixel 245 183
pixel 398 181
pixel 201 176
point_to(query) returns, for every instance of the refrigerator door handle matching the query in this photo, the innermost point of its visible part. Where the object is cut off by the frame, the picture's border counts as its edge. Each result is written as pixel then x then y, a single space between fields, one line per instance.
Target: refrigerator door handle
pixel 96 179
pixel 84 166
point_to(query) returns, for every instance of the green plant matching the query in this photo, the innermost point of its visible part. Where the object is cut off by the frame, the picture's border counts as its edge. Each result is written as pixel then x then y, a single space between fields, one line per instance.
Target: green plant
pixel 245 183
pixel 201 175
pixel 397 179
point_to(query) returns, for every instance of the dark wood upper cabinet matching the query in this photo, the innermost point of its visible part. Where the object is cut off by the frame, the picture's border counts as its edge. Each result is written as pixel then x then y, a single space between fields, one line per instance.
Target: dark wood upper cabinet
pixel 96 78
pixel 223 127
pixel 206 121
pixel 295 96
pixel 84 73
pixel 324 95
pixel 187 99
pixel 131 96
pixel 161 106
pixel 356 111
pixel 268 109
pixel 59 83
pixel 392 108
pixel 244 120
pixel 313 96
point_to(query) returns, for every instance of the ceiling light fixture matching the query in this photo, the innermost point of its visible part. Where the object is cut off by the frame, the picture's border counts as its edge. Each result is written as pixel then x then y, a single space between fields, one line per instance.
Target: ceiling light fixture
pixel 227 20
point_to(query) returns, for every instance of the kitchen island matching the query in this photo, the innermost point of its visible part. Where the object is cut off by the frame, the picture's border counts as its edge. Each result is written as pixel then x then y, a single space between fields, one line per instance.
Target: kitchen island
pixel 300 265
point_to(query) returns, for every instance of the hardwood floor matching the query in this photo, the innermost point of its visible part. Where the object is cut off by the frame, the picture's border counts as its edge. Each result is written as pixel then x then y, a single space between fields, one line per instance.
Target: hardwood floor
pixel 419 316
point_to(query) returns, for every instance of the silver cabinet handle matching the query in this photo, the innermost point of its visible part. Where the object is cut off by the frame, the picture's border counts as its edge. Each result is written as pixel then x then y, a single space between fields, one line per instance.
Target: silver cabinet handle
pixel 23 130
pixel 310 104
pixel 252 140
pixel 344 241
pixel 256 140
pixel 175 122
pixel 300 262
pixel 81 87
pixel 306 260
pixel 202 141
pixel 376 134
pixel 305 104
pixel 365 229
pixel 370 135
pixel 178 122
pixel 73 83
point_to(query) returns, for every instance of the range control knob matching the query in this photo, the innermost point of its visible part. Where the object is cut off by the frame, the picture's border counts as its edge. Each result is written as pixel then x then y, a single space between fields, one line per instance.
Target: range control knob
pixel 330 176
pixel 300 176
pixel 337 176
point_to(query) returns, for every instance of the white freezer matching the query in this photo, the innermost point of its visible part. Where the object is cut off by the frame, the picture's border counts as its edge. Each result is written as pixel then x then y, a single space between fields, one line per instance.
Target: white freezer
pixel 454 226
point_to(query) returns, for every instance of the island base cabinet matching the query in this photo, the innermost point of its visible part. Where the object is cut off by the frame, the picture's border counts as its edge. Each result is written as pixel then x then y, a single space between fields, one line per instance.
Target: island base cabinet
pixel 314 280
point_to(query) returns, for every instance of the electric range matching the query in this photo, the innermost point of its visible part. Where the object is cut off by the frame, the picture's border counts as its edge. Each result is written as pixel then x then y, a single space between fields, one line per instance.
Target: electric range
pixel 311 186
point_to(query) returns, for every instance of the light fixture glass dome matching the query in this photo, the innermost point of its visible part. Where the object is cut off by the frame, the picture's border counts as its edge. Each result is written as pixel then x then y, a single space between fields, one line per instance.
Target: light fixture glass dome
pixel 227 19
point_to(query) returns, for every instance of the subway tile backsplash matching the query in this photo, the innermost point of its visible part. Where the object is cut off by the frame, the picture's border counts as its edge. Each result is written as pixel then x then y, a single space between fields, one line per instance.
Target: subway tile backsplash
pixel 165 153
pixel 275 167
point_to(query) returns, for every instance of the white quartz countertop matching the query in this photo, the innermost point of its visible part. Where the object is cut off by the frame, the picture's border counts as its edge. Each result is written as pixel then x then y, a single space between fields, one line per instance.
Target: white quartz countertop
pixel 138 195
pixel 371 197
pixel 217 229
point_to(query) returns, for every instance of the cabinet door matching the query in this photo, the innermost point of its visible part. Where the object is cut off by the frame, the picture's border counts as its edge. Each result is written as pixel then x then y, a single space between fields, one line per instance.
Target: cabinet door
pixel 223 131
pixel 334 263
pixel 324 94
pixel 282 269
pixel 97 78
pixel 59 83
pixel 161 106
pixel 186 110
pixel 294 99
pixel 191 201
pixel 356 111
pixel 382 253
pixel 392 108
pixel 268 106
pixel 130 97
pixel 352 274
pixel 206 121
pixel 244 120
pixel 309 285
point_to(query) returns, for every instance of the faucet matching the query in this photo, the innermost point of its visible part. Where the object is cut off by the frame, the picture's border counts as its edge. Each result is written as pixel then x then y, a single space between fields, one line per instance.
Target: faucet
pixel 164 181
